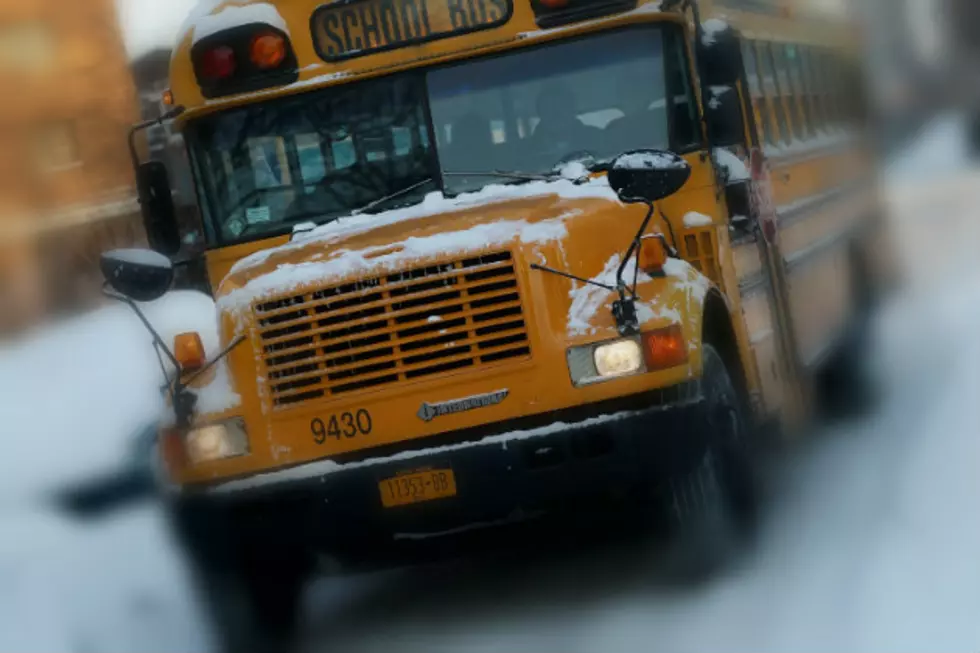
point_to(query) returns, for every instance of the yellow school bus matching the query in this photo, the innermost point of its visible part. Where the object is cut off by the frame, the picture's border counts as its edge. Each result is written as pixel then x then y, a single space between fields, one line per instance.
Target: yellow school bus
pixel 478 262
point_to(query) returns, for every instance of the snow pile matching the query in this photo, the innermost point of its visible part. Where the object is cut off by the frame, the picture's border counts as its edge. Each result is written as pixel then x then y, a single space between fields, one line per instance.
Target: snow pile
pixel 235 15
pixel 573 171
pixel 219 395
pixel 74 393
pixel 434 204
pixel 288 277
pixel 712 28
pixel 736 168
pixel 694 220
pixel 716 93
pixel 942 149
pixel 588 300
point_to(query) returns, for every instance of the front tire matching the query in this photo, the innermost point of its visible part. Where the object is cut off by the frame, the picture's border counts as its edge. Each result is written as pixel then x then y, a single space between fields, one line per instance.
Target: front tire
pixel 250 586
pixel 715 506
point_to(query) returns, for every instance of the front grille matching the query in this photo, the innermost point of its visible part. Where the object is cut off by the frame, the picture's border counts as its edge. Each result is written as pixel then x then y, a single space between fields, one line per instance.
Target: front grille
pixel 406 325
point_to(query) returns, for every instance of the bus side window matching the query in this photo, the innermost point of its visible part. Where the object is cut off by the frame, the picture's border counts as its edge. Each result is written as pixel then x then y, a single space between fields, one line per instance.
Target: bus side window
pixel 776 89
pixel 812 86
pixel 800 101
pixel 685 128
pixel 828 87
pixel 759 101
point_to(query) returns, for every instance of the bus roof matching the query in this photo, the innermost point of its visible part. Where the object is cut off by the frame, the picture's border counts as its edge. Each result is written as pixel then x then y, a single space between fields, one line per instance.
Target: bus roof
pixel 338 41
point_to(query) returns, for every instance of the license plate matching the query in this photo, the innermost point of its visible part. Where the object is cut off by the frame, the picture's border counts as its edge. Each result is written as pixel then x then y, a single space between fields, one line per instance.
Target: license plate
pixel 417 487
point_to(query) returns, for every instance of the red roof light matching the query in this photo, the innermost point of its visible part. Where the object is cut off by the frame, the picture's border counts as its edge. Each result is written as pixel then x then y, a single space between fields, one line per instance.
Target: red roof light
pixel 218 63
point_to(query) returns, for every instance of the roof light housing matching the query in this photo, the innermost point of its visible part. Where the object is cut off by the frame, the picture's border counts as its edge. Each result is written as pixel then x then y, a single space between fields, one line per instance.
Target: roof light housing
pixel 244 59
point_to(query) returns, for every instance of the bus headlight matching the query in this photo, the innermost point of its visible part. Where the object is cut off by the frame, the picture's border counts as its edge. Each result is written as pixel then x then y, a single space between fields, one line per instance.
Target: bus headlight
pixel 606 360
pixel 216 441
pixel 618 358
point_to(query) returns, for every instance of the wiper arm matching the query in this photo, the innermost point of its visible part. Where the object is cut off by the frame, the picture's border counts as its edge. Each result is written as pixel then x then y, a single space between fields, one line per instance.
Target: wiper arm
pixel 505 174
pixel 391 196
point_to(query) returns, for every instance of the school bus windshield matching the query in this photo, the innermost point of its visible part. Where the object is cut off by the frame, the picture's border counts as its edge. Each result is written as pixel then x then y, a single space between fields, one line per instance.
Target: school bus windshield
pixel 319 156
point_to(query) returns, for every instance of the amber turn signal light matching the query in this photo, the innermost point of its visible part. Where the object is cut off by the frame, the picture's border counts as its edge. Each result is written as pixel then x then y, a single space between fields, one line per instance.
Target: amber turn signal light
pixel 189 351
pixel 664 348
pixel 267 50
pixel 653 254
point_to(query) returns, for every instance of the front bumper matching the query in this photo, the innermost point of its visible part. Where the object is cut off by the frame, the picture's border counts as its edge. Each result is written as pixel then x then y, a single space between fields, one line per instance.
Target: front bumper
pixel 570 461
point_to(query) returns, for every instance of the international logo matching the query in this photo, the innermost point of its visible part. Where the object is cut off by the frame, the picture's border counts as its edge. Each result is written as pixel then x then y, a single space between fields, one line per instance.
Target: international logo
pixel 428 412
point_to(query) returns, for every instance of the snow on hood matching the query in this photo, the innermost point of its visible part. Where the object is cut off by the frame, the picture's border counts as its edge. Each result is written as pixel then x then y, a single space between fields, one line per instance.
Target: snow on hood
pixel 289 276
pixel 204 21
pixel 589 300
pixel 433 204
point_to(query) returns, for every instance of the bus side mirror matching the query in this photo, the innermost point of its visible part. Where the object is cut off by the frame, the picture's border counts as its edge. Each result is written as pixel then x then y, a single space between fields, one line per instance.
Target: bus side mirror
pixel 157 207
pixel 720 53
pixel 138 274
pixel 723 111
pixel 645 176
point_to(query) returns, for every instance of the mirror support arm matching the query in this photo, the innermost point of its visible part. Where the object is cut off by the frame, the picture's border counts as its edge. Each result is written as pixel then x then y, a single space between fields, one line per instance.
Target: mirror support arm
pixel 134 156
pixel 157 340
pixel 183 402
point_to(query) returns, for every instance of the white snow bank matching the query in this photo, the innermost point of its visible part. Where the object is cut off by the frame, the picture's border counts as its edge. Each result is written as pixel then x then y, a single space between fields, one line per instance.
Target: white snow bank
pixel 288 277
pixel 434 204
pixel 116 585
pixel 327 467
pixel 941 149
pixel 74 393
pixel 234 16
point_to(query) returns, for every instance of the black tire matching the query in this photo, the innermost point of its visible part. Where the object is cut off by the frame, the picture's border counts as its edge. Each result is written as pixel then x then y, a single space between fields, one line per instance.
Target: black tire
pixel 250 587
pixel 845 383
pixel 714 507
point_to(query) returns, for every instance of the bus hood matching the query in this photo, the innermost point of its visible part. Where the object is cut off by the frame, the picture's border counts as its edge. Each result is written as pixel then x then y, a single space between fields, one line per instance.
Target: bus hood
pixel 530 215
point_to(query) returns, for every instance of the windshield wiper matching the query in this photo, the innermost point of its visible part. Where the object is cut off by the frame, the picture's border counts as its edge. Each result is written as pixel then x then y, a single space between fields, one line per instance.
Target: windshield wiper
pixel 504 174
pixel 391 196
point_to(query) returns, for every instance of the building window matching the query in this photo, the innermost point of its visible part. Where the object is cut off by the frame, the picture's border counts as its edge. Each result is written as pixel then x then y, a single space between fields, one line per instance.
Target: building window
pixel 56 146
pixel 27 47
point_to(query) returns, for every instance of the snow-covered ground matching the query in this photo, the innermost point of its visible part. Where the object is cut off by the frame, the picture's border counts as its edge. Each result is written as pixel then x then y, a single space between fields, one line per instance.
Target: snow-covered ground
pixel 871 546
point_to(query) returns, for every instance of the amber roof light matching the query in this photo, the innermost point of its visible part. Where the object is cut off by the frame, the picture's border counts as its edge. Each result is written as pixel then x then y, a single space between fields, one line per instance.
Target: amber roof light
pixel 267 50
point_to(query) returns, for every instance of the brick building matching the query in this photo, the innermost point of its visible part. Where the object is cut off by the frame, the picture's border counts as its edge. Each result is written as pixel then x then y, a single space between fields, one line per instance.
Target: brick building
pixel 66 184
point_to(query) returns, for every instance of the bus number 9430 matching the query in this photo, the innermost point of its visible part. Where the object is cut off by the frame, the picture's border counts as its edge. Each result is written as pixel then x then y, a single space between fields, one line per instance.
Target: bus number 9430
pixel 348 425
